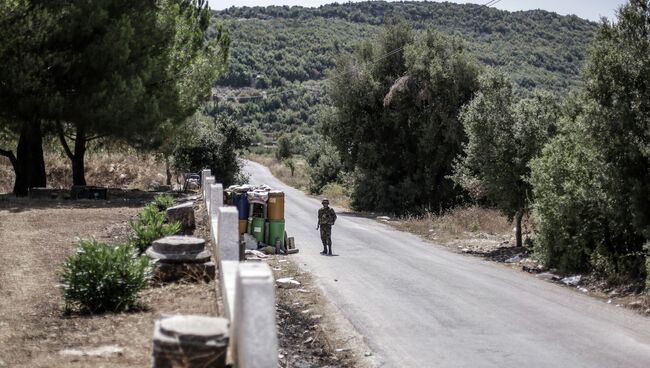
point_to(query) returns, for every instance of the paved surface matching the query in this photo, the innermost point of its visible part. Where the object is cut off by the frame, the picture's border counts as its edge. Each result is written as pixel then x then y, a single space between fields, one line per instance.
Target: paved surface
pixel 418 305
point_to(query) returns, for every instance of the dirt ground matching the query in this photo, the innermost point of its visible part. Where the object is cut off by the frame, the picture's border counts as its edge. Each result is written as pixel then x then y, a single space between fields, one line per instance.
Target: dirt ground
pixel 310 332
pixel 36 237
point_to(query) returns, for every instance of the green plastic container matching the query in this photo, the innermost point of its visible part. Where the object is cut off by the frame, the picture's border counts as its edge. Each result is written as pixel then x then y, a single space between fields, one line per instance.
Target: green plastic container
pixel 276 232
pixel 257 228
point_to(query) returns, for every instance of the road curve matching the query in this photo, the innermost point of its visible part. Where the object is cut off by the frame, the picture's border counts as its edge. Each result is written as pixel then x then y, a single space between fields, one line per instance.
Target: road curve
pixel 419 305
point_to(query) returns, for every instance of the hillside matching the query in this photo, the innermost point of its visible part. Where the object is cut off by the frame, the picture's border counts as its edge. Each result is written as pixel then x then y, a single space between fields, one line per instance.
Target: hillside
pixel 275 48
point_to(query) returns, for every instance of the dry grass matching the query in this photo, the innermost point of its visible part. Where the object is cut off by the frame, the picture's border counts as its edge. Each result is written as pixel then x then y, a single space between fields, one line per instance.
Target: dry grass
pixel 460 223
pixel 299 179
pixel 336 195
pixel 116 170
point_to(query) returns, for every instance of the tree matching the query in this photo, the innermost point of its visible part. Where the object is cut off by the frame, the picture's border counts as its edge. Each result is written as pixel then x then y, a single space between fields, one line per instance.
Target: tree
pixel 213 144
pixel 24 63
pixel 283 150
pixel 617 78
pixel 395 122
pixel 135 68
pixel 503 136
pixel 592 183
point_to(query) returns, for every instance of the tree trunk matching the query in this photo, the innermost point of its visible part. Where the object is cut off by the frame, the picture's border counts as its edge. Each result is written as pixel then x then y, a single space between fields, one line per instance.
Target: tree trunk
pixel 168 171
pixel 29 164
pixel 78 168
pixel 518 237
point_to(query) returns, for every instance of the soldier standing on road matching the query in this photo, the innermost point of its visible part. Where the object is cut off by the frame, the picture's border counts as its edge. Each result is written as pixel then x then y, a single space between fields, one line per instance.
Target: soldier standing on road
pixel 326 218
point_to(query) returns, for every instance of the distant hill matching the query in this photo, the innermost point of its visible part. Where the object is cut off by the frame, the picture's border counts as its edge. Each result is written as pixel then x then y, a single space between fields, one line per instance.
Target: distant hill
pixel 281 46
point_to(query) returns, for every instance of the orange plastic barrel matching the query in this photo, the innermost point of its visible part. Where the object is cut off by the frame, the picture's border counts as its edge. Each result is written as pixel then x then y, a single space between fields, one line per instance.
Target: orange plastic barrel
pixel 276 205
pixel 243 226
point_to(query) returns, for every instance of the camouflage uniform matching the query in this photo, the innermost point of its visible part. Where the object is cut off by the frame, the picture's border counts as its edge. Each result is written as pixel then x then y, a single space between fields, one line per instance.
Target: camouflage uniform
pixel 326 218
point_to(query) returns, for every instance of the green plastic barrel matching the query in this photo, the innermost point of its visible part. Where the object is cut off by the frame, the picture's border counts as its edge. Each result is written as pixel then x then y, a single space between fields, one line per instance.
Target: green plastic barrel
pixel 257 228
pixel 276 231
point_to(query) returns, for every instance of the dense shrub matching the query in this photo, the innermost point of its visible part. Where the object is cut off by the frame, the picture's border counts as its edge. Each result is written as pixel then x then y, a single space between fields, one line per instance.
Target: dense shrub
pixel 103 278
pixel 324 165
pixel 149 226
pixel 163 201
pixel 212 144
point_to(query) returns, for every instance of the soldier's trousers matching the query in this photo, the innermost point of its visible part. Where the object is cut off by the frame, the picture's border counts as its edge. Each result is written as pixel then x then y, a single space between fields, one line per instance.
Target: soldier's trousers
pixel 326 236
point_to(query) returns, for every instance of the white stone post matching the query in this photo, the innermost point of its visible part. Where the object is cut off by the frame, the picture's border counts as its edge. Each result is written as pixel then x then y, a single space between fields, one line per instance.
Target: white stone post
pixel 216 199
pixel 256 340
pixel 228 233
pixel 204 174
pixel 206 191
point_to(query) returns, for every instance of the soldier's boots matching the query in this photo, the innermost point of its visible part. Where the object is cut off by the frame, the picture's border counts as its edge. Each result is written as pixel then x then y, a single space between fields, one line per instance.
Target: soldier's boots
pixel 326 251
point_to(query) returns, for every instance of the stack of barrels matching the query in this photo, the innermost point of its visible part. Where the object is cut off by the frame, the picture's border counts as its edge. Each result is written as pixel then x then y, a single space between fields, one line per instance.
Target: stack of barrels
pixel 240 200
pixel 275 216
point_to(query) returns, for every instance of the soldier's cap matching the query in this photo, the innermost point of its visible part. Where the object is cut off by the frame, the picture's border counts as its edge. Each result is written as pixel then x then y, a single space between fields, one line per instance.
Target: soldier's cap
pixel 325 200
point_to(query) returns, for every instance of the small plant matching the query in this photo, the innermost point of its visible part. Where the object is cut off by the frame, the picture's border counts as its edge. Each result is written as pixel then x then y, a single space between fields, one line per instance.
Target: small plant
pixel 163 201
pixel 149 226
pixel 103 278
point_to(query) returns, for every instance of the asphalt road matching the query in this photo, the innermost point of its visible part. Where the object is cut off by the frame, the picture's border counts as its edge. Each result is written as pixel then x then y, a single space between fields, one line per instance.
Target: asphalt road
pixel 420 305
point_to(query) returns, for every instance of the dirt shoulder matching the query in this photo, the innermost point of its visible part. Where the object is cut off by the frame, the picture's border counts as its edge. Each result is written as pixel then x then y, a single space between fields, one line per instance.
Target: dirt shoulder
pixel 34 332
pixel 311 333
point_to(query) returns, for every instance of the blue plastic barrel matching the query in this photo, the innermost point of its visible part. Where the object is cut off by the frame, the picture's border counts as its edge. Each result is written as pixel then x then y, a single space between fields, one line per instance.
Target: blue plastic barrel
pixel 240 201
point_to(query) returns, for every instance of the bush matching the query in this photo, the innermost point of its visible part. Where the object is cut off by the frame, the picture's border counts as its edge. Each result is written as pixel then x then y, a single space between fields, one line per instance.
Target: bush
pixel 100 277
pixel 575 213
pixel 163 201
pixel 213 145
pixel 284 148
pixel 149 226
pixel 324 166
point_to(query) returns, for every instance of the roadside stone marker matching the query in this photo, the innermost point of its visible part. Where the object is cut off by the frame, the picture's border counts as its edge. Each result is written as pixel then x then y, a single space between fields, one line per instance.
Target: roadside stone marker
pixel 206 189
pixel 204 174
pixel 216 198
pixel 183 213
pixel 190 341
pixel 255 331
pixel 228 233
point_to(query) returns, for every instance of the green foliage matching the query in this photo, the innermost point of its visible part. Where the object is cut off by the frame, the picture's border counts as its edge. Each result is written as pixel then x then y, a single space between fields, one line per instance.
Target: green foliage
pixel 617 80
pixel 163 201
pixel 284 53
pixel 212 144
pixel 591 183
pixel 503 136
pixel 149 226
pixel 395 122
pixel 283 149
pixel 103 278
pixel 569 201
pixel 324 166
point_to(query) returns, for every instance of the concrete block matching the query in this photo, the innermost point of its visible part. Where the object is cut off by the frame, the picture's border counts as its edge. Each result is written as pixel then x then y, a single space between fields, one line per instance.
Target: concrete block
pixel 216 198
pixel 228 282
pixel 206 190
pixel 228 234
pixel 254 328
pixel 204 174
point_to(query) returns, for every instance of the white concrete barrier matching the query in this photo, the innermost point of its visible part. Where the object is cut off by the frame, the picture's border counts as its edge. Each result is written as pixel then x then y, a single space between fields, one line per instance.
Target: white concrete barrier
pixel 204 174
pixel 228 233
pixel 256 339
pixel 248 289
pixel 216 198
pixel 206 191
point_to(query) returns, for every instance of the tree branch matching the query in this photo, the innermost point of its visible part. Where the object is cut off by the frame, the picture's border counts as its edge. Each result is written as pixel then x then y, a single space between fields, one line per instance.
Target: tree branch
pixel 61 135
pixel 95 137
pixel 10 155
